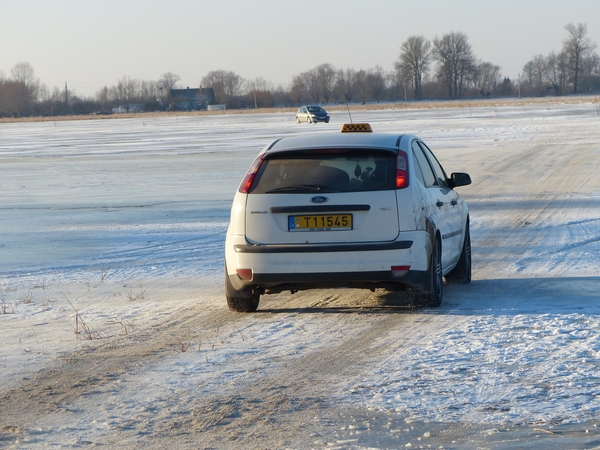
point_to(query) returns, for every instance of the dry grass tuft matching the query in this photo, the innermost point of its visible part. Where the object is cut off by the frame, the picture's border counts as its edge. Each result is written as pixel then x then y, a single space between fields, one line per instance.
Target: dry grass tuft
pixel 139 296
pixel 27 298
pixel 4 307
pixel 127 326
pixel 81 328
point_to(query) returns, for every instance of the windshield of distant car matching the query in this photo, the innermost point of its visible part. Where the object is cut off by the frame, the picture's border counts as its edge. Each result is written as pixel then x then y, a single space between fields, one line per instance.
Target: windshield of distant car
pixel 357 171
pixel 315 109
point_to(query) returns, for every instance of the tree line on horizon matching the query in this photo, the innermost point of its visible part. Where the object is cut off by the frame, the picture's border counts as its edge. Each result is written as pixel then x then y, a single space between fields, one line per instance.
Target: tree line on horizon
pixel 442 68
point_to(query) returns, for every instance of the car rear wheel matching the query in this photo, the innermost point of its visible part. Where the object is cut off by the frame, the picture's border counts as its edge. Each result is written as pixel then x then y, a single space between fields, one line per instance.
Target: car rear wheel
pixel 240 301
pixel 297 119
pixel 433 287
pixel 238 304
pixel 461 274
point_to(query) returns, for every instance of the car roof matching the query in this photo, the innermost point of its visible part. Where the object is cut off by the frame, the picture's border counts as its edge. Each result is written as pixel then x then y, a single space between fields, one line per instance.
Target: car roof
pixel 384 141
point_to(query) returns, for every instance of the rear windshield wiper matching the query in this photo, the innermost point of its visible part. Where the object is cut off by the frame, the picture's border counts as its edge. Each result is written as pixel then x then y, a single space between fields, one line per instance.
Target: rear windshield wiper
pixel 297 187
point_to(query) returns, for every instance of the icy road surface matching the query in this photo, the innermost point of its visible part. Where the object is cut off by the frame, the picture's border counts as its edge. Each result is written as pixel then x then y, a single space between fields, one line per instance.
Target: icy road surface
pixel 115 330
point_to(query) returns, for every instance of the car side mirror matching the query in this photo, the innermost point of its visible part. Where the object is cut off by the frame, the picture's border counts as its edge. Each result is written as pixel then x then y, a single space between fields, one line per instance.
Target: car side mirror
pixel 460 179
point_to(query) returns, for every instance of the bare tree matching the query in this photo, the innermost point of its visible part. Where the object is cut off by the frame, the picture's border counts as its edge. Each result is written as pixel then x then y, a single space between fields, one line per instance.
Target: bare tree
pixel 57 95
pixel 43 92
pixel 127 91
pixel 226 84
pixel 22 73
pixel 214 79
pixel 539 69
pixel 557 67
pixel 307 86
pixel 590 70
pixel 396 85
pixel 577 46
pixel 103 98
pixel 259 84
pixel 281 96
pixel 311 82
pixel 325 74
pixel 343 84
pixel 297 90
pixel 415 57
pixel 547 73
pixel 528 75
pixel 149 92
pixel 359 85
pixel 455 57
pixel 376 84
pixel 315 85
pixel 259 93
pixel 13 95
pixel 166 83
pixel 487 78
pixel 233 84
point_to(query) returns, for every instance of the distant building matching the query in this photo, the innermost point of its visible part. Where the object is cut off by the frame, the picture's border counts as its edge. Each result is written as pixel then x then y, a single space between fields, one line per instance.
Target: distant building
pixel 191 99
pixel 590 84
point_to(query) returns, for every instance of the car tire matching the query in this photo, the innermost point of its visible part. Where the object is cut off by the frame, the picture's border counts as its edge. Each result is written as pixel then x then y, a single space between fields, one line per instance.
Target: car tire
pixel 238 304
pixel 240 301
pixel 434 286
pixel 461 274
pixel 308 120
pixel 297 119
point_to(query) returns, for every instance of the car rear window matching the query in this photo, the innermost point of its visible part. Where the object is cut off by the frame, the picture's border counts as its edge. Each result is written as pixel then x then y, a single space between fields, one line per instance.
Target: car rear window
pixel 326 172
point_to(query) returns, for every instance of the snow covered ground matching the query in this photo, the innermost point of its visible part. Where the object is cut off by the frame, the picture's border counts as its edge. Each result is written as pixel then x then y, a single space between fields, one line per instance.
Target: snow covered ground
pixel 115 330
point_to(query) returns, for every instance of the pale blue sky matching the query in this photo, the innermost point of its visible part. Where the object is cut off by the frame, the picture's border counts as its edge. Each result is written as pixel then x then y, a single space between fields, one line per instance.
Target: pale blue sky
pixel 94 43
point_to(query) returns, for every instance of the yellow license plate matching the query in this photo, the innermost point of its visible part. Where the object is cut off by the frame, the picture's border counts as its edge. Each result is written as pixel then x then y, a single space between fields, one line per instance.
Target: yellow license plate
pixel 324 222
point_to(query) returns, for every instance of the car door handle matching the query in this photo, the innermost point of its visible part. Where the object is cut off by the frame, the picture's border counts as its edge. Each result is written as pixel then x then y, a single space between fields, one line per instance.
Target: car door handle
pixel 454 202
pixel 439 204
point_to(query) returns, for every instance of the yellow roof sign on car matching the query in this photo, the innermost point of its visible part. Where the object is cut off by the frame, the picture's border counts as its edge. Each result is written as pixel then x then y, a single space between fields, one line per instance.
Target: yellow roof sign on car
pixel 357 128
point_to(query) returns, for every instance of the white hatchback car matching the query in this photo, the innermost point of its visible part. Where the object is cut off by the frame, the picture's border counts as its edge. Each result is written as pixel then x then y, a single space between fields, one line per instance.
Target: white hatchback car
pixel 354 209
pixel 312 114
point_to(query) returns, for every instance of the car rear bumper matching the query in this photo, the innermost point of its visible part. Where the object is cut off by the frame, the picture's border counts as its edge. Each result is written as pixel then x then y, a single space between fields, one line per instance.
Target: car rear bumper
pixel 323 248
pixel 277 268
pixel 278 282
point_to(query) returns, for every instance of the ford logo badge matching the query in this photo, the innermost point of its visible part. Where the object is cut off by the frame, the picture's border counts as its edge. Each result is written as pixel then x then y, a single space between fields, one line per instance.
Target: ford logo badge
pixel 319 199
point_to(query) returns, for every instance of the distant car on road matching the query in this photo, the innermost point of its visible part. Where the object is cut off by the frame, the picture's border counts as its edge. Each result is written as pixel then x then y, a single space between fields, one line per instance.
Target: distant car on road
pixel 312 114
pixel 353 209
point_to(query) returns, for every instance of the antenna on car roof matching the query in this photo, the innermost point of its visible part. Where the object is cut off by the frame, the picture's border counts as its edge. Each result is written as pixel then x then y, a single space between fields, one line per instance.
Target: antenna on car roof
pixel 347 106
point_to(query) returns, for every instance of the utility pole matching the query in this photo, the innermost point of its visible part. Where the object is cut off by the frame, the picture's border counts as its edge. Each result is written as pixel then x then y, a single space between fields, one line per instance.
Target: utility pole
pixel 66 95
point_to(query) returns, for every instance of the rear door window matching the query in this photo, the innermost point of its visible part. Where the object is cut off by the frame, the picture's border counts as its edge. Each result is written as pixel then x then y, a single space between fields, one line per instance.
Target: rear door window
pixel 428 177
pixel 326 172
pixel 440 174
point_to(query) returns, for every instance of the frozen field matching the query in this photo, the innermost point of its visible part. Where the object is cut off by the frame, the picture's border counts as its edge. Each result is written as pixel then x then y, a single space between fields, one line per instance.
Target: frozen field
pixel 115 329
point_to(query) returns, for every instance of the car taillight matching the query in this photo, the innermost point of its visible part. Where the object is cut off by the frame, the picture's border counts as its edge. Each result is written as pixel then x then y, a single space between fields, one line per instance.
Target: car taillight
pixel 401 171
pixel 400 271
pixel 245 274
pixel 246 183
